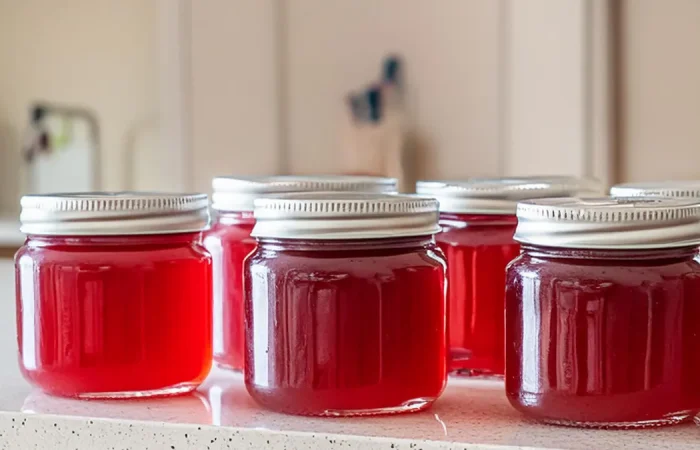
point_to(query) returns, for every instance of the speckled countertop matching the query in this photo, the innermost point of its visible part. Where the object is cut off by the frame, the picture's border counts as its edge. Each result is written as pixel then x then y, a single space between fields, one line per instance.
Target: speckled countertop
pixel 220 415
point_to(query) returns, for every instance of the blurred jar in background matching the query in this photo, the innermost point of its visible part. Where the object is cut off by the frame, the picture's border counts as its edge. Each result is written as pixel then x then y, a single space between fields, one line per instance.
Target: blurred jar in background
pixel 477 218
pixel 229 242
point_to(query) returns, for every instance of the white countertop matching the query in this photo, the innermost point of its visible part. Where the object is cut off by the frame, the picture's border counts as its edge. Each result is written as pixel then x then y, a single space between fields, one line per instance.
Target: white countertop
pixel 9 231
pixel 220 415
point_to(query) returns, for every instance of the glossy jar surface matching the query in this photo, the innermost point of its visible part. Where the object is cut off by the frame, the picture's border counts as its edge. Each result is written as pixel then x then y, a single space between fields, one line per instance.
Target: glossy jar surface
pixel 604 338
pixel 477 248
pixel 114 316
pixel 345 327
pixel 229 242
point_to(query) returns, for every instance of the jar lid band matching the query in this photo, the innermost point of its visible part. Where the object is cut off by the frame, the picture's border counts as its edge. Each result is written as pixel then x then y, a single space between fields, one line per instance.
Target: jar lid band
pixel 498 195
pixel 239 193
pixel 682 189
pixel 344 215
pixel 609 223
pixel 113 213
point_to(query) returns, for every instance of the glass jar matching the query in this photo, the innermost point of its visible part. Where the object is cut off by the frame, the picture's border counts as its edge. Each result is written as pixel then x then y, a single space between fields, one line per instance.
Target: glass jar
pixel 229 242
pixel 477 219
pixel 345 305
pixel 114 294
pixel 603 312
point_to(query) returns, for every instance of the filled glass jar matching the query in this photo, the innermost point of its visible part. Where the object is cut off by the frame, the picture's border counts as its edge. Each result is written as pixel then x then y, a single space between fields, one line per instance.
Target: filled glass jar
pixel 345 305
pixel 114 294
pixel 477 219
pixel 603 312
pixel 229 242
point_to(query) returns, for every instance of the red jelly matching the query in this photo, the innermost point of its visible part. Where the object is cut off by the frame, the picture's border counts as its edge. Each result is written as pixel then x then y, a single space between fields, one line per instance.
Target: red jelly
pixel 478 220
pixel 114 294
pixel 345 305
pixel 229 242
pixel 603 312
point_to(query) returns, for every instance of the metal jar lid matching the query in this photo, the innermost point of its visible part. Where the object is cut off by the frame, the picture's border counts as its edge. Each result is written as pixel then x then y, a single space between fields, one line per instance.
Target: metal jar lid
pixel 609 223
pixel 578 186
pixel 690 188
pixel 239 193
pixel 490 195
pixel 344 215
pixel 113 213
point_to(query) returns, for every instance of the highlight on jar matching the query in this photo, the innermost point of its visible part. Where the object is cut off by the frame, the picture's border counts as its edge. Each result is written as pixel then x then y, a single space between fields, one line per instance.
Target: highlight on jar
pixel 477 218
pixel 345 304
pixel 114 294
pixel 602 312
pixel 229 242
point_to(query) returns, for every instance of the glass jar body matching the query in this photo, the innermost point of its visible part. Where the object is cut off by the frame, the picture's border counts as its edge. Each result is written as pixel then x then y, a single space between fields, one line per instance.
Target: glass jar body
pixel 604 338
pixel 345 327
pixel 114 317
pixel 477 248
pixel 229 242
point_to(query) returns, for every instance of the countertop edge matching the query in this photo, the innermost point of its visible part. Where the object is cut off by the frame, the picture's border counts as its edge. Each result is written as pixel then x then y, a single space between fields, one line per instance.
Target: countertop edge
pixel 28 430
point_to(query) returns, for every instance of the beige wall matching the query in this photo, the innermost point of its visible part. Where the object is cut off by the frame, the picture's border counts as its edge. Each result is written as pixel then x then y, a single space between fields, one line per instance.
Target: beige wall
pixel 493 87
pixel 660 90
pixel 256 87
pixel 234 75
pixel 451 50
pixel 98 54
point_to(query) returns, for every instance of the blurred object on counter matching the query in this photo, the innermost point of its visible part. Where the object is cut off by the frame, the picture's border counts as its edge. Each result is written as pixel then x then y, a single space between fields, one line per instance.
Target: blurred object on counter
pixel 375 136
pixel 37 139
pixel 62 149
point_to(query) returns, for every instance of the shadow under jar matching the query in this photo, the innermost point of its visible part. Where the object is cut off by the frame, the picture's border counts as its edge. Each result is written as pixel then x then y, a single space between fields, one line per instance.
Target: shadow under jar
pixel 603 312
pixel 345 305
pixel 114 294
pixel 229 242
pixel 477 219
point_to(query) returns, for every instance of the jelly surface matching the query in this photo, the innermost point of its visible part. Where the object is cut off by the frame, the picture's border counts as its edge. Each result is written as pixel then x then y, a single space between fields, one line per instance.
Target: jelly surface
pixel 604 339
pixel 345 328
pixel 477 248
pixel 229 242
pixel 114 316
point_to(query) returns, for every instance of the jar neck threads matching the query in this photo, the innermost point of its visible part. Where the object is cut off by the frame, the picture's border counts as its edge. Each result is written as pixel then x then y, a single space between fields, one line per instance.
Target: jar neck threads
pixel 363 245
pixel 632 255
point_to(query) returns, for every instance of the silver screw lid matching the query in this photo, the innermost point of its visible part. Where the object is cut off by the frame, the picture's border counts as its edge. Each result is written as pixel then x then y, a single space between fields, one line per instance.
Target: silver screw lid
pixel 688 188
pixel 344 215
pixel 113 213
pixel 578 186
pixel 239 193
pixel 609 223
pixel 490 195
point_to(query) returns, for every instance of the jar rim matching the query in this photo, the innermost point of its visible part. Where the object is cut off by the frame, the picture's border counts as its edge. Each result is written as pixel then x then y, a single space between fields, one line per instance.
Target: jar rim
pixel 238 193
pixel 609 222
pixel 344 215
pixel 113 213
pixel 500 195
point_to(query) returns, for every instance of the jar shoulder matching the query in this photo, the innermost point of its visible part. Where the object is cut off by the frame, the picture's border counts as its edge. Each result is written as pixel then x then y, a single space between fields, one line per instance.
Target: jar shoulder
pixel 624 272
pixel 112 255
pixel 231 232
pixel 356 263
pixel 461 234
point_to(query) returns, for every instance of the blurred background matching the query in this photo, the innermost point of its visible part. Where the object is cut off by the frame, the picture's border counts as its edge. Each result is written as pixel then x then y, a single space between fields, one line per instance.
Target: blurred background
pixel 165 94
